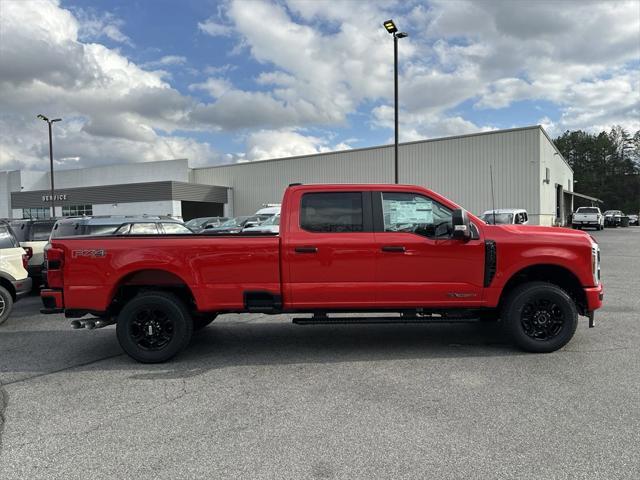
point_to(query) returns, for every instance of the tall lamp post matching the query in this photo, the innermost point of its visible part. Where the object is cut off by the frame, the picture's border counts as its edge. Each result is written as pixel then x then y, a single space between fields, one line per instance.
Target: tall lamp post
pixel 50 122
pixel 393 30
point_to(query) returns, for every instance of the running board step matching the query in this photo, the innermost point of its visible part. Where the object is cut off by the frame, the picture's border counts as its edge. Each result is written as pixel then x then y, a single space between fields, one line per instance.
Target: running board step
pixel 378 320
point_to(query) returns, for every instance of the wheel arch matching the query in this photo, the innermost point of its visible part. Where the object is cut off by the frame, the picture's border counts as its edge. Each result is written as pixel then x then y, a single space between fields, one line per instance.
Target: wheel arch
pixel 8 286
pixel 149 279
pixel 558 275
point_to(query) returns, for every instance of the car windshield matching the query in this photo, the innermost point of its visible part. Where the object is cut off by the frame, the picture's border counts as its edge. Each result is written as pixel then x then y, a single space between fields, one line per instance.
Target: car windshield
pixel 275 220
pixel 7 238
pixel 613 212
pixel 498 218
pixel 236 222
pixel 197 222
pixel 20 229
pixel 587 210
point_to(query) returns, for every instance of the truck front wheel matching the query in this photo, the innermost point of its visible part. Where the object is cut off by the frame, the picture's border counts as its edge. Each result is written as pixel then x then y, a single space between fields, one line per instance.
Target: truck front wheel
pixel 540 317
pixel 154 327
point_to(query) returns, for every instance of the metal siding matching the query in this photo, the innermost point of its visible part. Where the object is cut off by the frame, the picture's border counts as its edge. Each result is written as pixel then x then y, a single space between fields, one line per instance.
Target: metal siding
pixel 560 174
pixel 255 183
pixel 459 169
pixel 456 167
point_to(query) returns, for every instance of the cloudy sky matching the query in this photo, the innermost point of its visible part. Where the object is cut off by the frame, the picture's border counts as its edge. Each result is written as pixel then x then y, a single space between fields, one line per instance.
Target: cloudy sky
pixel 240 80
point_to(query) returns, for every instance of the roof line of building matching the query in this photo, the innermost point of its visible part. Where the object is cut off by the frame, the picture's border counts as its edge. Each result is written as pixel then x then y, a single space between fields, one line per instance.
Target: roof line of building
pixel 375 147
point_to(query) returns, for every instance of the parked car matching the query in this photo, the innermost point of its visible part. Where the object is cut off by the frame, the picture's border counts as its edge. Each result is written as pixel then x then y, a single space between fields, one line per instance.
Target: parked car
pixel 271 225
pixel 235 225
pixel 14 278
pixel 34 235
pixel 505 216
pixel 613 218
pixel 588 217
pixel 123 225
pixel 150 227
pixel 199 224
pixel 358 248
pixel 633 220
pixel 269 209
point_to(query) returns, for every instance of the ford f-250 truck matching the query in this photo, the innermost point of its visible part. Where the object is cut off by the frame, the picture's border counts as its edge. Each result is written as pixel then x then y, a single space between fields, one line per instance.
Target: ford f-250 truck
pixel 399 249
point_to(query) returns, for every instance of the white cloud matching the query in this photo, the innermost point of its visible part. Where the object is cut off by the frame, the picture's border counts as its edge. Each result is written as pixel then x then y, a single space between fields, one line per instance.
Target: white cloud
pixel 215 29
pixel 166 61
pixel 264 144
pixel 93 26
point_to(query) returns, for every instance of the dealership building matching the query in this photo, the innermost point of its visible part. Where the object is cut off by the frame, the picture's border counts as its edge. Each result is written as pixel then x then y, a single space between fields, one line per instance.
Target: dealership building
pixel 528 172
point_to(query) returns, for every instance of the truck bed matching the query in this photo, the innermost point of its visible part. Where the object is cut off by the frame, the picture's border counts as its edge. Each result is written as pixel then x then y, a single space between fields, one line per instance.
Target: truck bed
pixel 217 268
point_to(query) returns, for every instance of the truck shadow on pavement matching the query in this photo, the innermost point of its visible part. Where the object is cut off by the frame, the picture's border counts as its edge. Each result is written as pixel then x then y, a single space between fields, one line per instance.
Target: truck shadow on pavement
pixel 231 345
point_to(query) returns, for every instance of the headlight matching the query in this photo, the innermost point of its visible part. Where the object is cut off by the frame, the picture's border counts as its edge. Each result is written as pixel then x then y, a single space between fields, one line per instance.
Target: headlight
pixel 595 263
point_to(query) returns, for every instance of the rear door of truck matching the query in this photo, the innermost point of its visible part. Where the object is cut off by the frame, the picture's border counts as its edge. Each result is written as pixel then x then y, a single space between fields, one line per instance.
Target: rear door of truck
pixel 328 248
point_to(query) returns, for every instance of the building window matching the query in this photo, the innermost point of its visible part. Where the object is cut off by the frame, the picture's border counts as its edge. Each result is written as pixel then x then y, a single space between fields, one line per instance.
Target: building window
pixel 76 210
pixel 36 213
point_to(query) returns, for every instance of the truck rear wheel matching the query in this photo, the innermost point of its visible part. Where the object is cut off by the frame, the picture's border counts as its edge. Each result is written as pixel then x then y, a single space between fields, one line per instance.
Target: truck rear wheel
pixel 6 304
pixel 540 317
pixel 154 327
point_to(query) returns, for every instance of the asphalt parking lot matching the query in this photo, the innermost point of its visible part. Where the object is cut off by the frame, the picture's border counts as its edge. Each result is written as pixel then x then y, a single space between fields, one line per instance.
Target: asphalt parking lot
pixel 257 397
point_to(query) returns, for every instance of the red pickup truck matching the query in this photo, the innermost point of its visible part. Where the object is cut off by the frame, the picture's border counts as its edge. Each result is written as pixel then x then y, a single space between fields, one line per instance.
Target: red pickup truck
pixel 399 249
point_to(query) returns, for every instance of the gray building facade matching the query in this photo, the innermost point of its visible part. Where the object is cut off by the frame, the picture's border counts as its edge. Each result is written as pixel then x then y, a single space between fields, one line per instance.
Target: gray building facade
pixel 528 172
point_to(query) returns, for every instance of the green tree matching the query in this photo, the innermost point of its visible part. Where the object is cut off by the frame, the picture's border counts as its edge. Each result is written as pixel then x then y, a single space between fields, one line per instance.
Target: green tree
pixel 605 165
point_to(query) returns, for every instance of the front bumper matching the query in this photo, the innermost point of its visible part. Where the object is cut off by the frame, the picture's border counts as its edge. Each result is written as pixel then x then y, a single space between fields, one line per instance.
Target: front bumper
pixel 22 287
pixel 594 296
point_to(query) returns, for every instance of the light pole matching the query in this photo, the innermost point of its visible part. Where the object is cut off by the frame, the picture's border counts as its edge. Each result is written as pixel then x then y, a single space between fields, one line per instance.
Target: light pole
pixel 393 30
pixel 50 122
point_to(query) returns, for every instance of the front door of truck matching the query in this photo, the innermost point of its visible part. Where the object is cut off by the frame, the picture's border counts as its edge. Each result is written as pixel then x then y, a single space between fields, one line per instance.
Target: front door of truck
pixel 418 263
pixel 329 250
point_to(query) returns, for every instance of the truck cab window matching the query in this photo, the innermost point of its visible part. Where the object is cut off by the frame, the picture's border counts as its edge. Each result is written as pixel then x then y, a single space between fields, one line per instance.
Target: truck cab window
pixel 332 212
pixel 408 212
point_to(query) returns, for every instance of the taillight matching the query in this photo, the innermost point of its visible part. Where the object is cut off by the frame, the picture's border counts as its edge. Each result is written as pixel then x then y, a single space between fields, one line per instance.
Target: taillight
pixel 25 260
pixel 29 252
pixel 55 262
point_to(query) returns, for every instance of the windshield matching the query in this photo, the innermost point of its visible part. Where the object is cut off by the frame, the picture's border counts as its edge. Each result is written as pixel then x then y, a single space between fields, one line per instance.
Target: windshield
pixel 20 229
pixel 587 210
pixel 500 218
pixel 196 222
pixel 7 238
pixel 613 212
pixel 237 221
pixel 275 220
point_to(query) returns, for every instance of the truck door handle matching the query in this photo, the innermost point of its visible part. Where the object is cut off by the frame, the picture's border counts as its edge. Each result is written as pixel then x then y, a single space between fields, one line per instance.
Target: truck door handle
pixel 393 248
pixel 306 249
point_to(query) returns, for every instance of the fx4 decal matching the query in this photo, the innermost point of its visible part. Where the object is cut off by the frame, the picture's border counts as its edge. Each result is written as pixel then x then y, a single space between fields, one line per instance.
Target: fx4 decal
pixel 88 253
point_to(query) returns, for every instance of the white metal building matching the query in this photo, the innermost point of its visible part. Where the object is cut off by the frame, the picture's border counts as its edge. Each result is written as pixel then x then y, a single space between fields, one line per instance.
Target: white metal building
pixel 528 172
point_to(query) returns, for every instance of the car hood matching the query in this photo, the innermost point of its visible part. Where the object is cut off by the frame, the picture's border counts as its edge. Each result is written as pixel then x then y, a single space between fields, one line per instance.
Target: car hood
pixel 548 234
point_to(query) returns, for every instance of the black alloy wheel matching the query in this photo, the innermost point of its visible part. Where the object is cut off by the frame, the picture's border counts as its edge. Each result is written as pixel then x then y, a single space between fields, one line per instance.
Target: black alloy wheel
pixel 539 317
pixel 154 327
pixel 542 319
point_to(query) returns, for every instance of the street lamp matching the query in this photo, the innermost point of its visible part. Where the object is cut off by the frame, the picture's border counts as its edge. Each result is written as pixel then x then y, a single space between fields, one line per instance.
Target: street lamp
pixel 393 30
pixel 50 122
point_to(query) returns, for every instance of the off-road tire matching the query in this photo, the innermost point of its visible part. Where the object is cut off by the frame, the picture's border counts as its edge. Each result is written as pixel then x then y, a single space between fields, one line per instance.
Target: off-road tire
pixel 174 321
pixel 527 309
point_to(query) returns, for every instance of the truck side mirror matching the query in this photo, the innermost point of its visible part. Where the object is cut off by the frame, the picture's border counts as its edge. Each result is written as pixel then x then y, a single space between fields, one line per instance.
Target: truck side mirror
pixel 461 226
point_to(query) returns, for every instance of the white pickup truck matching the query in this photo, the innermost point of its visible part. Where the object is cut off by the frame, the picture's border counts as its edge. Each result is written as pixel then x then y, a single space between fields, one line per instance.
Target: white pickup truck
pixel 588 217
